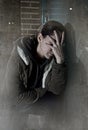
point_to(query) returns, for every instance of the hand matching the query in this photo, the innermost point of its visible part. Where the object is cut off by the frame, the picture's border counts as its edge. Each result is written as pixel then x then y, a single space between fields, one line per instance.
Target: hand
pixel 57 48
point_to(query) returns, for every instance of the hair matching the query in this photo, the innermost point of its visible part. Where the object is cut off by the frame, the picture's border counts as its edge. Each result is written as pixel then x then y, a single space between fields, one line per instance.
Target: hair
pixel 49 27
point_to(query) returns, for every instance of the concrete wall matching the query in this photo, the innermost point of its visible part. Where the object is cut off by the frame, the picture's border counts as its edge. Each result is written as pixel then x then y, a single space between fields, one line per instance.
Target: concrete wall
pixel 9 31
pixel 69 111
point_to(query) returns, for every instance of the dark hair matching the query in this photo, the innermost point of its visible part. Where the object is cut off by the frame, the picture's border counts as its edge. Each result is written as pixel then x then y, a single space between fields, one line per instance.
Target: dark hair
pixel 49 27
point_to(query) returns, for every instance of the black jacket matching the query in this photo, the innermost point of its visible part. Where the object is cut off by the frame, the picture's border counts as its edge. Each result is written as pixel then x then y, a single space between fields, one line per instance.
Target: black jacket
pixel 24 80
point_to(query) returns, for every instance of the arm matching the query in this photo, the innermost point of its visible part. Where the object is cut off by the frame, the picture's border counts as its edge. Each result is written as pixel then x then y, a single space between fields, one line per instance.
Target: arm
pixel 58 74
pixel 14 90
pixel 56 80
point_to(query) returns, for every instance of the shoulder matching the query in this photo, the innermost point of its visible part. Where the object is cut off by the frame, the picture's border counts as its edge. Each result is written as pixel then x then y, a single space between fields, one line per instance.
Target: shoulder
pixel 25 47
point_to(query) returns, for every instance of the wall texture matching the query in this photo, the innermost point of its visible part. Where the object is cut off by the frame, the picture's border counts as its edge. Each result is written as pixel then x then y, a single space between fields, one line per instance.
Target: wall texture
pixel 9 31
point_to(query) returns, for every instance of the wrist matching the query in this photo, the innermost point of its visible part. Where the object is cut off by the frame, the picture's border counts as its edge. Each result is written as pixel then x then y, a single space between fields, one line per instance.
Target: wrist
pixel 60 60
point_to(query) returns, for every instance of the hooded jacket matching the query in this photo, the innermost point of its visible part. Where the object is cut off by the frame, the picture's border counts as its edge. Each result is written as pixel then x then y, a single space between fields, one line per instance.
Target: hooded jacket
pixel 26 80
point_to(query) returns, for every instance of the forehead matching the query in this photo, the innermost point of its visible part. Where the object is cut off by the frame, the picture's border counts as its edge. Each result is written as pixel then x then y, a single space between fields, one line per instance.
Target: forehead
pixel 53 37
pixel 50 37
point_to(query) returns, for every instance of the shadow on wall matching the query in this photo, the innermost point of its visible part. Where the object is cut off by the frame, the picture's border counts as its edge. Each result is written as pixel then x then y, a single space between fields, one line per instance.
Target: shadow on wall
pixel 70 44
pixel 74 64
pixel 77 88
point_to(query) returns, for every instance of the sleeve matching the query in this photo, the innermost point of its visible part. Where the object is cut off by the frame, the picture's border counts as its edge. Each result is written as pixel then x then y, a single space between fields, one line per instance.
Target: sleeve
pixel 13 83
pixel 57 78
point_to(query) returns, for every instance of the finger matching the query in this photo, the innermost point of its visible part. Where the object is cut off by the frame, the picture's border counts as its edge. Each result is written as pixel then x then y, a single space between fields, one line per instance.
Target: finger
pixel 52 41
pixel 57 38
pixel 62 39
pixel 50 46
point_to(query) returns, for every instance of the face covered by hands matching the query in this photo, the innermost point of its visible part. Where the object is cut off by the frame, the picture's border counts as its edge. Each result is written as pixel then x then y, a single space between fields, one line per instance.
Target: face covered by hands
pixel 56 46
pixel 51 45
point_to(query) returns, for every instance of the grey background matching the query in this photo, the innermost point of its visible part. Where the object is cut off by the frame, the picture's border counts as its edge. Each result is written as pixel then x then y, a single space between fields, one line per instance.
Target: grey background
pixel 69 111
